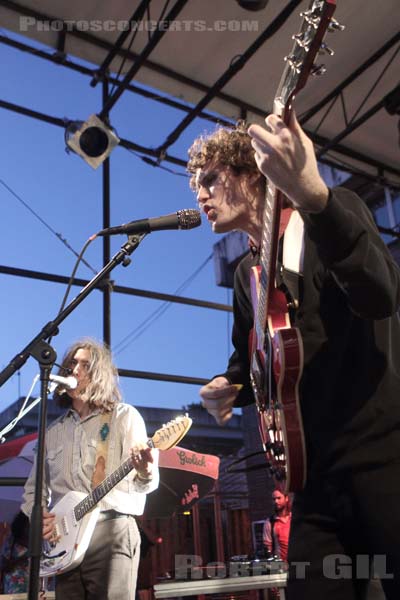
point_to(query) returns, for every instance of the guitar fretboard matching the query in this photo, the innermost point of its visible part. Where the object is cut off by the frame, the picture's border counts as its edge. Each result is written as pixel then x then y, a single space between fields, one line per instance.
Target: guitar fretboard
pixel 294 76
pixel 83 507
pixel 166 437
pixel 269 240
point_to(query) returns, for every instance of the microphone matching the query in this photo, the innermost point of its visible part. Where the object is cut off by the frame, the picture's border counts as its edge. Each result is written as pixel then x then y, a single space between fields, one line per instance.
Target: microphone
pixel 70 383
pixel 188 218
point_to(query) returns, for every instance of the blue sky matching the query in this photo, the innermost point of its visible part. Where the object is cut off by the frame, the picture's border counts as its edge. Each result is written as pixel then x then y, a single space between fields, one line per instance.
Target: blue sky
pixel 67 194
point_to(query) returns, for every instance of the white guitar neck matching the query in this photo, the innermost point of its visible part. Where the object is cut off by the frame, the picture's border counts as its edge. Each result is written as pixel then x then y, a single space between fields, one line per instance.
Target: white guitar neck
pixel 83 507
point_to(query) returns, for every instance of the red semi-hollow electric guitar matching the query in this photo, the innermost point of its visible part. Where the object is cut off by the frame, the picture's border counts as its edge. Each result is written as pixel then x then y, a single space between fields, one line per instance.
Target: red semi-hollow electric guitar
pixel 276 349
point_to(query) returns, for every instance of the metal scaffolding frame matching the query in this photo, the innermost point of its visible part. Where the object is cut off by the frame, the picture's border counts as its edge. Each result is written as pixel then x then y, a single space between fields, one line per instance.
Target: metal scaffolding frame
pixel 160 154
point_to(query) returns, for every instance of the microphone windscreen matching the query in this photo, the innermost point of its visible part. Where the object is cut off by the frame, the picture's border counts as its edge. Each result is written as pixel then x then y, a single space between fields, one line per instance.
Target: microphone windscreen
pixel 189 218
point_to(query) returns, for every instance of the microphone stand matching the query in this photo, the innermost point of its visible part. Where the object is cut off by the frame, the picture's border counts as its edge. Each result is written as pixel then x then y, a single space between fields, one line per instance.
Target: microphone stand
pixel 39 349
pixel 46 357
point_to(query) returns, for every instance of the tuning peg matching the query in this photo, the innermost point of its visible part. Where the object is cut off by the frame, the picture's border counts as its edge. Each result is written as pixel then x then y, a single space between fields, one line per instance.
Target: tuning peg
pixel 334 25
pixel 307 15
pixel 318 70
pixel 301 40
pixel 310 13
pixel 295 64
pixel 324 49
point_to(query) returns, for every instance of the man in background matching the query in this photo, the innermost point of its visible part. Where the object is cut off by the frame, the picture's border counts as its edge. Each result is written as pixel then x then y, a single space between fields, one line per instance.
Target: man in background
pixel 277 526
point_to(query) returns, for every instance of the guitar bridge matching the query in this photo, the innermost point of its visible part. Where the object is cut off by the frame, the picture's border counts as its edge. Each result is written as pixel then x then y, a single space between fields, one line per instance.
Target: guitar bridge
pixel 64 525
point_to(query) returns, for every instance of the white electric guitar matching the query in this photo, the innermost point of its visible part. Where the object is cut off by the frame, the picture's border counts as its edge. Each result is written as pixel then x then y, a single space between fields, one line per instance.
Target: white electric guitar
pixel 76 515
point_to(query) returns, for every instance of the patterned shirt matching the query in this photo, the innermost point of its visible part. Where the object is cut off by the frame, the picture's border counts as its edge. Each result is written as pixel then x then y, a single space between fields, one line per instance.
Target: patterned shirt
pixel 15 567
pixel 71 444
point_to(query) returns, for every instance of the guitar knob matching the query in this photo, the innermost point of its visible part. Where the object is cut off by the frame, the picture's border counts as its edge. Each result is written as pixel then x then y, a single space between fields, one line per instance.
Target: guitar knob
pixel 324 49
pixel 318 70
pixel 334 25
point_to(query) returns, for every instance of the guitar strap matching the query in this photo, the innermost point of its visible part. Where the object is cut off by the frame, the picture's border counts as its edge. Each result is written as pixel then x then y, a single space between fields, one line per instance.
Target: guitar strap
pixel 292 283
pixel 288 279
pixel 99 473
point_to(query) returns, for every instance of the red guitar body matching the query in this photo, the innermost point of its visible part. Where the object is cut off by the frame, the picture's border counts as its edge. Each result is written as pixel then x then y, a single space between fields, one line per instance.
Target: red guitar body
pixel 277 389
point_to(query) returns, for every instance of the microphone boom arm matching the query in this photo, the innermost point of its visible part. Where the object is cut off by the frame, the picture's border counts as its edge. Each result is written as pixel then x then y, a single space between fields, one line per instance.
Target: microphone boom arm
pixel 51 328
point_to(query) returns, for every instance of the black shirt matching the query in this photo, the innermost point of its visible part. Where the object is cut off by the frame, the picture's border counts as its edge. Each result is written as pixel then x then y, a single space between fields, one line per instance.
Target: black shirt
pixel 350 327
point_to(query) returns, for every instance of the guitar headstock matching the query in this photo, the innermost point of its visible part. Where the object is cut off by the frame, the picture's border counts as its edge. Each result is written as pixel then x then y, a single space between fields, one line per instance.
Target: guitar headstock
pixel 317 20
pixel 170 435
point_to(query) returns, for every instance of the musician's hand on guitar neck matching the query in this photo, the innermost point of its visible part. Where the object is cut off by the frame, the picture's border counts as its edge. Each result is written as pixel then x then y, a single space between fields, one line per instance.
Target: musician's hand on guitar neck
pixel 142 461
pixel 218 397
pixel 286 156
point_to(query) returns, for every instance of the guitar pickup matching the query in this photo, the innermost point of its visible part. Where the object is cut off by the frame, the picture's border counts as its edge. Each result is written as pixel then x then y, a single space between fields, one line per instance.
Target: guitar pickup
pixel 64 525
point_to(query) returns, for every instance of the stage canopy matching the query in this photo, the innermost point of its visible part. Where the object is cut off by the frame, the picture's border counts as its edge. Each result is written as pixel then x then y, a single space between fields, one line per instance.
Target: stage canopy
pixel 217 58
